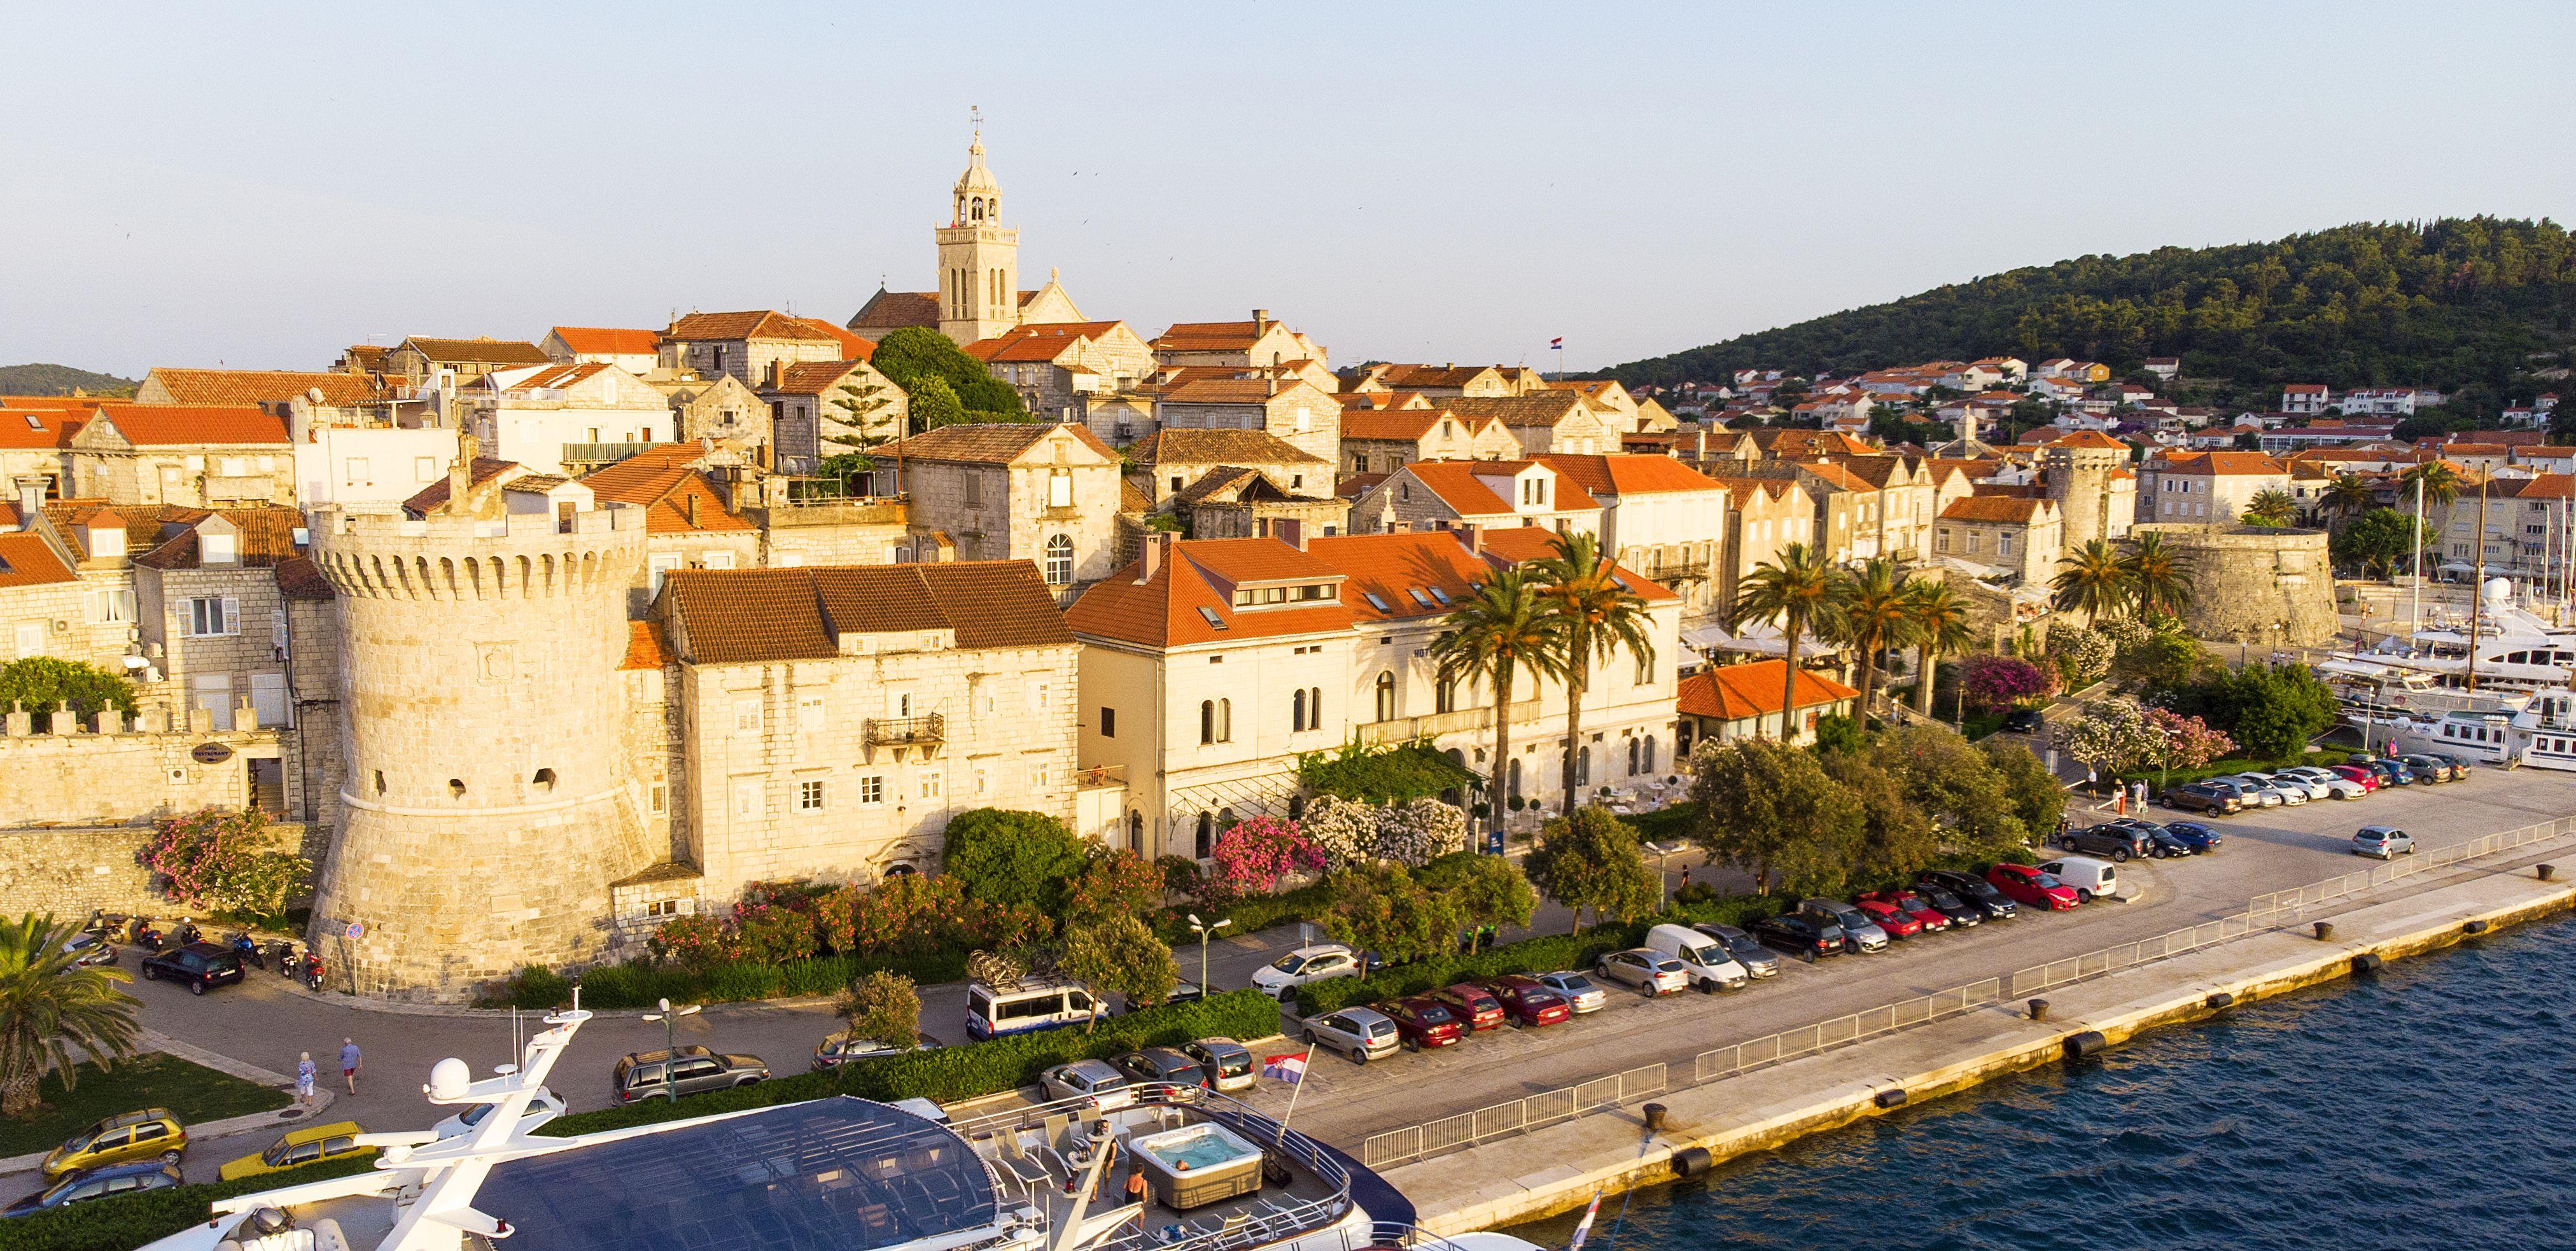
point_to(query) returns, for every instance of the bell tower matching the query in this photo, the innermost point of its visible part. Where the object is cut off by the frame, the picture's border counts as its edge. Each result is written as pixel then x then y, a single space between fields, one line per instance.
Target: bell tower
pixel 979 260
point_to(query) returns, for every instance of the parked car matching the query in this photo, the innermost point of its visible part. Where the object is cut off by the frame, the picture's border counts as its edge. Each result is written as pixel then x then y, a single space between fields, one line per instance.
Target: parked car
pixel 2461 766
pixel 841 1048
pixel 1422 1021
pixel 1320 963
pixel 303 1146
pixel 1476 1007
pixel 90 951
pixel 2117 841
pixel 2247 794
pixel 1758 960
pixel 1961 913
pixel 151 1134
pixel 1932 918
pixel 2333 784
pixel 2367 779
pixel 1363 1034
pixel 2162 843
pixel 2202 839
pixel 1183 991
pixel 1710 967
pixel 1898 922
pixel 2203 797
pixel 2391 772
pixel 198 966
pixel 1969 891
pixel 2383 842
pixel 1650 971
pixel 1165 1065
pixel 1227 1061
pixel 690 1070
pixel 2275 790
pixel 2024 721
pixel 1859 933
pixel 94 1183
pixel 1097 1081
pixel 2091 879
pixel 2426 768
pixel 2307 786
pixel 1800 935
pixel 1528 1003
pixel 545 1107
pixel 2028 885
pixel 1580 992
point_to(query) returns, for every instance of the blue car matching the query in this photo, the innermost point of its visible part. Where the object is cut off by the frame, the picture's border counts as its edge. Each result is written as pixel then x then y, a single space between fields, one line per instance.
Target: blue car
pixel 2162 842
pixel 87 1184
pixel 2391 772
pixel 2202 839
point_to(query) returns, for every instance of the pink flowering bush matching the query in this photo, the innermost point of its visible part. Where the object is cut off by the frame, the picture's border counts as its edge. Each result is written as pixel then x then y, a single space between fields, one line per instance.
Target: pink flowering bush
pixel 1255 854
pixel 219 861
pixel 696 942
pixel 773 933
pixel 1996 682
pixel 2189 742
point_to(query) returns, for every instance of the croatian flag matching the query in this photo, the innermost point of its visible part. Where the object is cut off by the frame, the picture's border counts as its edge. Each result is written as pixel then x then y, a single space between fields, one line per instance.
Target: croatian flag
pixel 1557 343
pixel 1287 1068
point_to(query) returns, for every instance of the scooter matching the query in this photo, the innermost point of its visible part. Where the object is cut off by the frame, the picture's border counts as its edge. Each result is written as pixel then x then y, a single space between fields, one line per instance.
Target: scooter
pixel 281 956
pixel 186 933
pixel 312 970
pixel 247 950
pixel 147 935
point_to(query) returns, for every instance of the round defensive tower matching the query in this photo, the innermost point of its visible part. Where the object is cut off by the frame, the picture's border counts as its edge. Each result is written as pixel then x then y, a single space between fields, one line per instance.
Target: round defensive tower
pixel 487 804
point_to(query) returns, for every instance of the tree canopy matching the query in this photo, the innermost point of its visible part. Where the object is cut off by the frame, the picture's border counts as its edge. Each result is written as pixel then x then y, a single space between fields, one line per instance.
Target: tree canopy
pixel 914 355
pixel 1593 859
pixel 1003 856
pixel 42 683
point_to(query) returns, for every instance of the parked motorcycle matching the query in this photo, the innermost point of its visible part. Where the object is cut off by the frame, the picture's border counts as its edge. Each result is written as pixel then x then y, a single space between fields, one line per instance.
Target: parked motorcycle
pixel 186 933
pixel 312 970
pixel 281 957
pixel 148 936
pixel 247 949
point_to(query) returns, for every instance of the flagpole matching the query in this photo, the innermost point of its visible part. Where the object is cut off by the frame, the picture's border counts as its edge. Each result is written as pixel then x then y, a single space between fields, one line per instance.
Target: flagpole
pixel 1304 1063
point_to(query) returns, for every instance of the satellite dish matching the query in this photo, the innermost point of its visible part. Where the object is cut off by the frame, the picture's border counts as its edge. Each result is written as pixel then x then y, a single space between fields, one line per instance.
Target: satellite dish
pixel 314 394
pixel 449 1079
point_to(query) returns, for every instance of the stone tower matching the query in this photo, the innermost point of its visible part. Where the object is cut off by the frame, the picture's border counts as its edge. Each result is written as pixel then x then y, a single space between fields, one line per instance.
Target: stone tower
pixel 2081 471
pixel 979 261
pixel 488 805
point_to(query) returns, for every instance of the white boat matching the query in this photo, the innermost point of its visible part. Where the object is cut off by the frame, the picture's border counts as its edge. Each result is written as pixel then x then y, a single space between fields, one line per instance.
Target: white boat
pixel 2516 648
pixel 2539 732
pixel 831 1174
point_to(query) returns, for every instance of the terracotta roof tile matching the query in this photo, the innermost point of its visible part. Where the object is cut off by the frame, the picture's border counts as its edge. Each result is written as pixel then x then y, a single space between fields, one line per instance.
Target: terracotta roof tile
pixel 267 386
pixel 1039 343
pixel 812 377
pixel 1353 486
pixel 645 648
pixel 31 429
pixel 484 469
pixel 479 351
pixel 750 324
pixel 1628 475
pixel 1185 600
pixel 1523 544
pixel 1996 508
pixel 1545 408
pixel 609 340
pixel 853 347
pixel 298 579
pixel 1735 692
pixel 1392 425
pixel 676 498
pixel 746 616
pixel 895 310
pixel 990 443
pixel 2087 438
pixel 191 425
pixel 1219 447
pixel 1208 336
pixel 27 560
pixel 267 536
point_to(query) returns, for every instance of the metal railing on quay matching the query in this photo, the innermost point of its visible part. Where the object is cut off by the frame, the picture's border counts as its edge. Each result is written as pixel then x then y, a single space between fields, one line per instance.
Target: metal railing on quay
pixel 1414 1142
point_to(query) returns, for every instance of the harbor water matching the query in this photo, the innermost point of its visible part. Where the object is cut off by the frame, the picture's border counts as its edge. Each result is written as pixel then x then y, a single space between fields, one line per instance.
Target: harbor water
pixel 2431 1105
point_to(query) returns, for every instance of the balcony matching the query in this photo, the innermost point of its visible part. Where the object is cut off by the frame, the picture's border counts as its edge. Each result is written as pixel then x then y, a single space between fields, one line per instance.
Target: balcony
pixel 582 457
pixel 1438 724
pixel 905 734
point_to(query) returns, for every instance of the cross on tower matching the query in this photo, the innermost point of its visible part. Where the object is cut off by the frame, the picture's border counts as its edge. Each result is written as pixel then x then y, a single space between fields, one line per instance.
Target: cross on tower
pixel 976 112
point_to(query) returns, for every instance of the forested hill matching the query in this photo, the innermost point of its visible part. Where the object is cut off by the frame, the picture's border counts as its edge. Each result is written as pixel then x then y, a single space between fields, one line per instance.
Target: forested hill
pixel 2446 304
pixel 60 380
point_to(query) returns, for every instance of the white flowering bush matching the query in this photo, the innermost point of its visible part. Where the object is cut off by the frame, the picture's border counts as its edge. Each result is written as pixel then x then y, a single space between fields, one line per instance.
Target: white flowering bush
pixel 1419 831
pixel 2082 656
pixel 1344 830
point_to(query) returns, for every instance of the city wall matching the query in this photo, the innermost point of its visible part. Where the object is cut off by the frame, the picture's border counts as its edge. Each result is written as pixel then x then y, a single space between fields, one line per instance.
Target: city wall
pixel 2263 585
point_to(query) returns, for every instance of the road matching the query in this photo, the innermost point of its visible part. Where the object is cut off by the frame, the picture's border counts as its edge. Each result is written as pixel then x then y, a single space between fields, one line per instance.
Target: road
pixel 263 1023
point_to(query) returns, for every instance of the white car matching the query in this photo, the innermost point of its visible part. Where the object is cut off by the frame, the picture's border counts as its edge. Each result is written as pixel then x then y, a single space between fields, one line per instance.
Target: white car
pixel 1703 958
pixel 1095 1080
pixel 2327 783
pixel 2304 785
pixel 2254 793
pixel 1650 971
pixel 1319 963
pixel 2291 790
pixel 545 1107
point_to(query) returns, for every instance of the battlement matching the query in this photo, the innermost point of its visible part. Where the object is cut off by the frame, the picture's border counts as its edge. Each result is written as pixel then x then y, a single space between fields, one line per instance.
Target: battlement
pixel 519 556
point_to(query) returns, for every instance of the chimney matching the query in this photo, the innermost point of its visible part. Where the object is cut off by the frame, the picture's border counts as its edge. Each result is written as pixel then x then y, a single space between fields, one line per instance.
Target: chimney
pixel 1260 322
pixel 1151 558
pixel 460 472
pixel 31 502
pixel 1473 536
pixel 1702 455
pixel 1289 530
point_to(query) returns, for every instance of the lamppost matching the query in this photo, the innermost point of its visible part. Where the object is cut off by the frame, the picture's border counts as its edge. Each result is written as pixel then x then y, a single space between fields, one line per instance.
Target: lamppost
pixel 1663 853
pixel 1205 932
pixel 670 1019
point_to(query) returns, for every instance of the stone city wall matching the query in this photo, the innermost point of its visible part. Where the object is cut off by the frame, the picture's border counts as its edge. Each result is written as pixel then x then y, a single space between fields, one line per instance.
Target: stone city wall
pixel 70 871
pixel 2260 584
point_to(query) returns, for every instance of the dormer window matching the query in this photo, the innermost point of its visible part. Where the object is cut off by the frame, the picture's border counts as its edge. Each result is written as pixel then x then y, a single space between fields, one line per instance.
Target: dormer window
pixel 106 544
pixel 214 547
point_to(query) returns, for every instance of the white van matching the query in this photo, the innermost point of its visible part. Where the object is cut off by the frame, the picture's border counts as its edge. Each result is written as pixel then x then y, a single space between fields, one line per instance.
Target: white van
pixel 991 1012
pixel 1705 958
pixel 2092 879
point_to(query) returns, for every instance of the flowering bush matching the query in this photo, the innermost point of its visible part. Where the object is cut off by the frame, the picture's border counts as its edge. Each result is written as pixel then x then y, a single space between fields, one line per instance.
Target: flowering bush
pixel 1420 831
pixel 696 942
pixel 1999 681
pixel 773 933
pixel 2111 735
pixel 2082 656
pixel 2189 742
pixel 1115 883
pixel 212 860
pixel 1342 831
pixel 1255 854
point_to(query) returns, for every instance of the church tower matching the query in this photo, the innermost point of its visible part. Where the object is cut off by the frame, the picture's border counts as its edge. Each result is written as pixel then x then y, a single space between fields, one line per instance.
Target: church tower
pixel 979 261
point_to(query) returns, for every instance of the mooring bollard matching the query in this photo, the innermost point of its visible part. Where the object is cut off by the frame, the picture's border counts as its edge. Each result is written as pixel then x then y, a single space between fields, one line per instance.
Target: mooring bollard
pixel 1654 1118
pixel 2039 1009
pixel 2548 871
pixel 2325 930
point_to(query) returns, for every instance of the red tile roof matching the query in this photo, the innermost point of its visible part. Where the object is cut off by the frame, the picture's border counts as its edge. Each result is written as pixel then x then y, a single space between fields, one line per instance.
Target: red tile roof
pixel 644 646
pixel 1392 425
pixel 191 425
pixel 27 560
pixel 1737 692
pixel 853 347
pixel 478 351
pixel 609 340
pixel 2231 463
pixel 266 386
pixel 987 443
pixel 1459 484
pixel 812 377
pixel 751 324
pixel 1522 544
pixel 676 499
pixel 1209 336
pixel 2087 438
pixel 1039 343
pixel 1166 609
pixel 749 616
pixel 1628 475
pixel 1994 508
pixel 30 429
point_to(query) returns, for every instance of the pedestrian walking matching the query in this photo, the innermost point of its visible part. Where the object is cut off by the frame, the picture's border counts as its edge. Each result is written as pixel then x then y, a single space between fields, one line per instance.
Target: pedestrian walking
pixel 304 1075
pixel 349 1063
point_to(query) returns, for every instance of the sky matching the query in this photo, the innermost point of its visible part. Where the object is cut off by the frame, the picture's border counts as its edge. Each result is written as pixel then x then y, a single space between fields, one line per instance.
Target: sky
pixel 260 186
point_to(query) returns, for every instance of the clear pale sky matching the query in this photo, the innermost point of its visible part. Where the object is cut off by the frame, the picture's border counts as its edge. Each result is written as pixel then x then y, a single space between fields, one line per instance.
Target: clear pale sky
pixel 262 185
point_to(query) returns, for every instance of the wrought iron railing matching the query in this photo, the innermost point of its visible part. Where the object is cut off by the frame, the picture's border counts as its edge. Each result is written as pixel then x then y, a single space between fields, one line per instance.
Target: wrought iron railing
pixel 901 731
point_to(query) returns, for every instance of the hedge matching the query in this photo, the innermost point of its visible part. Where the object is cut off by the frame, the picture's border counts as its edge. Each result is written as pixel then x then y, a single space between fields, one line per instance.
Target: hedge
pixel 642 985
pixel 1250 915
pixel 127 1221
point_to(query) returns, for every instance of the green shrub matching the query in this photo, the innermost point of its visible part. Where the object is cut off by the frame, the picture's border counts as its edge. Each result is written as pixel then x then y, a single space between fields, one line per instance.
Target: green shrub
pixel 1250 915
pixel 122 1222
pixel 741 981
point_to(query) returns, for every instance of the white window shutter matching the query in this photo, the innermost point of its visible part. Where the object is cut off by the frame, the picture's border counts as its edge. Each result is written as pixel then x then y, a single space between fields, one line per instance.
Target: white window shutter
pixel 232 616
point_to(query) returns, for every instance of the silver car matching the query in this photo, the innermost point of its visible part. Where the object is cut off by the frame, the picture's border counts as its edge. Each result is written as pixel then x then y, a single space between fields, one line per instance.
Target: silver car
pixel 1577 989
pixel 1748 951
pixel 2274 790
pixel 1650 971
pixel 1095 1080
pixel 1859 932
pixel 1363 1034
pixel 2383 842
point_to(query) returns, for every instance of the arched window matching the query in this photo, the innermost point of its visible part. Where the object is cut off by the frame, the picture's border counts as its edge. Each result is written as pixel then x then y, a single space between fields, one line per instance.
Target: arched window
pixel 1583 765
pixel 1207 722
pixel 1514 773
pixel 975 210
pixel 1632 757
pixel 1207 835
pixel 1444 696
pixel 1136 831
pixel 1650 753
pixel 1297 711
pixel 1314 708
pixel 1059 560
pixel 1386 695
pixel 1225 721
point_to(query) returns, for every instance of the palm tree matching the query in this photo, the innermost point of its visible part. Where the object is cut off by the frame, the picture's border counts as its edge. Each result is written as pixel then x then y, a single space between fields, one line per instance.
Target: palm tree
pixel 2159 577
pixel 1876 615
pixel 1499 633
pixel 53 1014
pixel 2092 581
pixel 2435 481
pixel 1602 619
pixel 2272 506
pixel 2350 496
pixel 1939 628
pixel 1802 589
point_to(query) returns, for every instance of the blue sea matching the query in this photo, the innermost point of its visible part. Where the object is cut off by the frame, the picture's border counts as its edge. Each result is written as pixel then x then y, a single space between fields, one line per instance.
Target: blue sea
pixel 2431 1105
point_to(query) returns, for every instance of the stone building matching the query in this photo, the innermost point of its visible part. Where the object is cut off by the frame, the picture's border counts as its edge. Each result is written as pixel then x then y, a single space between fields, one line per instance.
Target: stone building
pixel 2088 478
pixel 721 408
pixel 197 456
pixel 2205 488
pixel 1259 343
pixel 687 524
pixel 1044 494
pixel 832 720
pixel 1169 461
pixel 2018 537
pixel 1292 411
pixel 1056 367
pixel 420 359
pixel 1377 441
pixel 564 419
pixel 750 345
pixel 2262 585
pixel 35 446
pixel 1544 421
pixel 979 296
pixel 1846 523
pixel 637 352
pixel 1233 503
pixel 1494 494
pixel 821 409
pixel 1763 515
pixel 1448 381
pixel 1659 517
pixel 358 440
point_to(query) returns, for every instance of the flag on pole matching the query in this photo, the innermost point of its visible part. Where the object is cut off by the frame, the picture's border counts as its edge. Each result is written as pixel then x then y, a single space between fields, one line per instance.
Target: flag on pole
pixel 1583 1228
pixel 1557 343
pixel 1287 1068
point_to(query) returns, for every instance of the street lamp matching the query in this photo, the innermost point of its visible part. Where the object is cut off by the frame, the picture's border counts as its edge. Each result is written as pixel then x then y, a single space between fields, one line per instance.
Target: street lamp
pixel 670 1019
pixel 1205 932
pixel 1663 853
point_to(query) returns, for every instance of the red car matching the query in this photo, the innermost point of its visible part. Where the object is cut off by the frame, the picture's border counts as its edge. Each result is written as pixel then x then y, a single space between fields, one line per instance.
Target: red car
pixel 1472 1004
pixel 1911 904
pixel 2031 888
pixel 1898 922
pixel 1421 1021
pixel 1529 1002
pixel 2368 779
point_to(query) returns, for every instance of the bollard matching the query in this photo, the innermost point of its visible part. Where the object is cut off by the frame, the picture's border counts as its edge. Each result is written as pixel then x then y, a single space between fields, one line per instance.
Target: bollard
pixel 2325 930
pixel 1690 1161
pixel 2219 999
pixel 2548 871
pixel 2039 1009
pixel 1655 1118
pixel 2367 962
pixel 2474 927
pixel 1890 1098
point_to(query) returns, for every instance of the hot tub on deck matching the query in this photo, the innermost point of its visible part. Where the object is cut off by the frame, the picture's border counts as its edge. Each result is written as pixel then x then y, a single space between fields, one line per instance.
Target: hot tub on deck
pixel 1197 1165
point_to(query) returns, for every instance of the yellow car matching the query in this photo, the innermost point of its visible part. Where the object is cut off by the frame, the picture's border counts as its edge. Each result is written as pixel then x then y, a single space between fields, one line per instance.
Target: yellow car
pixel 144 1135
pixel 301 1146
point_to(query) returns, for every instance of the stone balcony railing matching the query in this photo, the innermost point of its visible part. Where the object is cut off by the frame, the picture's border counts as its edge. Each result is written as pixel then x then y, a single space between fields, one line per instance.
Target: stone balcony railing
pixel 1462 721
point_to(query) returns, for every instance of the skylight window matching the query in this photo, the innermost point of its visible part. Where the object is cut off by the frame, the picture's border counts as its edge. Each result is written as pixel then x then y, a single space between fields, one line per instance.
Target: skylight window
pixel 1441 595
pixel 1214 621
pixel 1419 597
pixel 34 422
pixel 1376 603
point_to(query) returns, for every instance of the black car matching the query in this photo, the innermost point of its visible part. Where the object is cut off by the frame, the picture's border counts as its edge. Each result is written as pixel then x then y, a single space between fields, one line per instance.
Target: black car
pixel 1803 936
pixel 198 965
pixel 2202 839
pixel 1973 891
pixel 2167 842
pixel 1962 914
pixel 1161 1064
pixel 2024 721
pixel 2115 842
